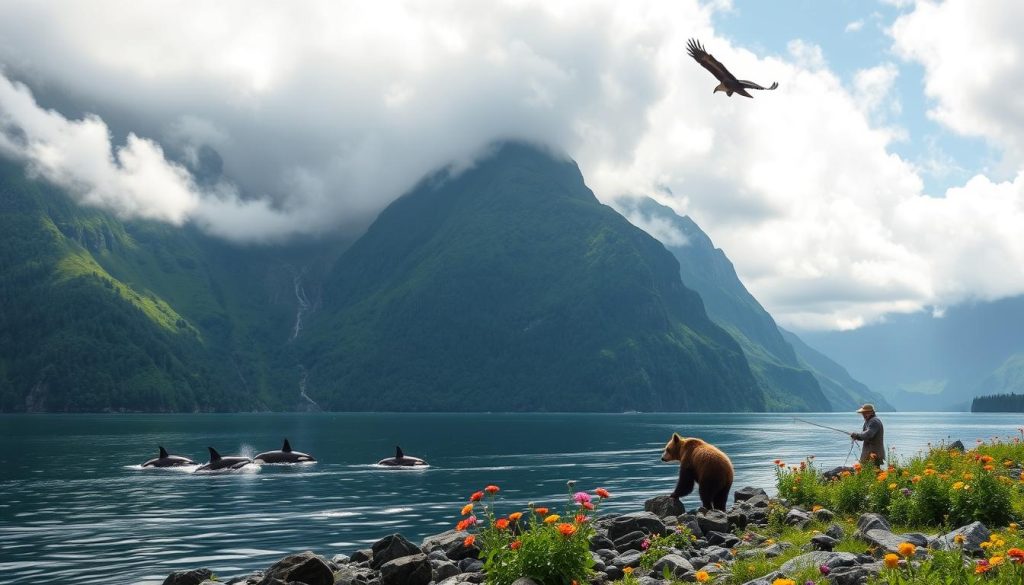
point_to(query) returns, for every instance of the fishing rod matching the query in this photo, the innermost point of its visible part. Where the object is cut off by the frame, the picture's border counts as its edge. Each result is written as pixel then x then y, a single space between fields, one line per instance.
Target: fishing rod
pixel 822 426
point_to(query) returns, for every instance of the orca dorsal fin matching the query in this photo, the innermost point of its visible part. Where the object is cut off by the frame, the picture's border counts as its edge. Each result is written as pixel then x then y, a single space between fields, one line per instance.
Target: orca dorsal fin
pixel 163 453
pixel 286 447
pixel 398 452
pixel 214 455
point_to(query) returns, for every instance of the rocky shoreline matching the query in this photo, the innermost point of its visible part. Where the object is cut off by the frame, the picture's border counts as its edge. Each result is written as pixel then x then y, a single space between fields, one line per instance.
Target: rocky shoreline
pixel 443 559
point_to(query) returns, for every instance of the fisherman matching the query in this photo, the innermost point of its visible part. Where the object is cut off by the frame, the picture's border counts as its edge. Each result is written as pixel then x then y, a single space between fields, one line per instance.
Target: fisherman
pixel 872 434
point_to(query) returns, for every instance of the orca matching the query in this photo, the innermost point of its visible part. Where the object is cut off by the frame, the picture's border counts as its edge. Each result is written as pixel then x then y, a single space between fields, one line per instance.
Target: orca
pixel 165 460
pixel 217 462
pixel 285 455
pixel 402 460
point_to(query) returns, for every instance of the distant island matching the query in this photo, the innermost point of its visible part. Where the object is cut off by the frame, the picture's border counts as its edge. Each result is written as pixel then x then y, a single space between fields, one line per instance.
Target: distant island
pixel 998 403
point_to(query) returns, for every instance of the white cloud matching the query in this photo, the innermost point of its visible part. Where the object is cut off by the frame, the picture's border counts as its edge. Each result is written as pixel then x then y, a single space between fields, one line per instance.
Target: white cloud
pixel 973 56
pixel 854 26
pixel 324 114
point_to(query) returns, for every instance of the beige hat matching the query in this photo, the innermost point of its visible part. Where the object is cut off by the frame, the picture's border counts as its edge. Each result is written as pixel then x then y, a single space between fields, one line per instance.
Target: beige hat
pixel 867 408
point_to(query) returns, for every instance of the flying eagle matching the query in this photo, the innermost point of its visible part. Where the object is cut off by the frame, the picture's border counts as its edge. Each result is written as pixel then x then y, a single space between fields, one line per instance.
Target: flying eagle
pixel 729 84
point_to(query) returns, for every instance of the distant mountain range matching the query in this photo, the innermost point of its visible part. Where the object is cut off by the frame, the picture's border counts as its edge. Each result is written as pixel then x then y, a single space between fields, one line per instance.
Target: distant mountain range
pixel 925 362
pixel 507 286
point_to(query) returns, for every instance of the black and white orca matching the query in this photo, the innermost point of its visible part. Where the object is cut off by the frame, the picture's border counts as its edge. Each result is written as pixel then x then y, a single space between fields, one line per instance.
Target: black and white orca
pixel 402 460
pixel 217 462
pixel 285 455
pixel 165 460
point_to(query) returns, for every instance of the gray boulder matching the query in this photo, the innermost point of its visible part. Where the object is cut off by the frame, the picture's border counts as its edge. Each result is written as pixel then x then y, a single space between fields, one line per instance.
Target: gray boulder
pixel 627 559
pixel 190 577
pixel 835 531
pixel 443 569
pixel 406 570
pixel 664 506
pixel 871 521
pixel 815 559
pixel 677 565
pixel 725 539
pixel 354 576
pixel 632 541
pixel 645 522
pixel 744 494
pixel 823 542
pixel 450 543
pixel 854 574
pixel 524 581
pixel 974 534
pixel 304 567
pixel 713 521
pixel 797 517
pixel 390 548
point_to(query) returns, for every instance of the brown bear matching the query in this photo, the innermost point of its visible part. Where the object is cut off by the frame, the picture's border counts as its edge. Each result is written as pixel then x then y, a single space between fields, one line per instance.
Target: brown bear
pixel 702 463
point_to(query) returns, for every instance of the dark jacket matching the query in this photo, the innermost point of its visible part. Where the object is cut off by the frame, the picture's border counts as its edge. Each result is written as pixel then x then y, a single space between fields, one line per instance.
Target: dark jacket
pixel 873 436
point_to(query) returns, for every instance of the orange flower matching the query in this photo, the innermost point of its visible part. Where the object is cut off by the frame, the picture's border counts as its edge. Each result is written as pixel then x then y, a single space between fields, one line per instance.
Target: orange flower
pixel 492 489
pixel 541 511
pixel 515 516
pixel 857 466
pixel 515 544
pixel 702 576
pixel 996 561
pixel 892 560
pixel 986 459
pixel 462 525
pixel 476 497
pixel 467 509
pixel 929 471
pixel 587 505
pixel 581 518
pixel 882 476
pixel 602 493
pixel 627 570
pixel 567 529
pixel 959 539
pixel 907 549
pixel 469 541
pixel 915 479
pixel 552 519
pixel 982 567
pixel 1016 554
pixel 501 523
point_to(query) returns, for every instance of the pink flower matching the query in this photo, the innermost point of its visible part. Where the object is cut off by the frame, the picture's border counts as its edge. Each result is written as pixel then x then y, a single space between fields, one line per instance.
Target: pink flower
pixel 646 544
pixel 581 497
pixel 824 569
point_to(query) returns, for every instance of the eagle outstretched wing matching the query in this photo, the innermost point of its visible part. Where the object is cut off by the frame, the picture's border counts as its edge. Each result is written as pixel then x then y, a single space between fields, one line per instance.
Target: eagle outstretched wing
pixel 728 82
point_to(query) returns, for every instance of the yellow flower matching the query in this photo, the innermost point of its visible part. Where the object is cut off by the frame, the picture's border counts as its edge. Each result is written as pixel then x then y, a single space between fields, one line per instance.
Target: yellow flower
pixel 781 581
pixel 996 561
pixel 702 576
pixel 1013 526
pixel 627 570
pixel 892 486
pixel 929 471
pixel 552 519
pixel 467 509
pixel 959 539
pixel 907 549
pixel 968 476
pixel 892 560
pixel 958 485
pixel 986 545
pixel 816 507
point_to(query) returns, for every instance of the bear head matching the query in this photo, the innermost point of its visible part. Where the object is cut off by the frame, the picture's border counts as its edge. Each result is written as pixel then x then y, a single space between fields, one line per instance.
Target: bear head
pixel 677 446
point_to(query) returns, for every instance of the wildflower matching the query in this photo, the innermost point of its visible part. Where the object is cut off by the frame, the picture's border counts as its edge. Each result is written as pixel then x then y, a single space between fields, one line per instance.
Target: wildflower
pixel 515 516
pixel 892 486
pixel 986 545
pixel 1008 463
pixel 467 509
pixel 958 486
pixel 501 523
pixel 824 569
pixel 959 539
pixel 702 576
pixel 988 467
pixel 781 581
pixel 492 489
pixel 816 507
pixel 915 479
pixel 986 459
pixel 907 549
pixel 645 544
pixel 857 467
pixel 968 476
pixel 462 525
pixel 996 561
pixel 982 567
pixel 892 560
pixel 905 491
pixel 582 497
pixel 770 541
pixel 476 497
pixel 778 462
pixel 515 544
pixel 566 529
pixel 552 519
pixel 929 471
pixel 587 505
pixel 882 476
pixel 627 570
pixel 581 518
pixel 541 511
pixel 469 541
pixel 471 521
pixel 1016 554
pixel 602 493
pixel 1012 527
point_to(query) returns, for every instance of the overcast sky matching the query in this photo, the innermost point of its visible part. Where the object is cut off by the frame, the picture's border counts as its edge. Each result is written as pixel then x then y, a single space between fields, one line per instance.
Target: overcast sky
pixel 884 175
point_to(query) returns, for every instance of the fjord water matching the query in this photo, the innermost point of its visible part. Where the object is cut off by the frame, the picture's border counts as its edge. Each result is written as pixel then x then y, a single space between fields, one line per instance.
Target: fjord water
pixel 76 508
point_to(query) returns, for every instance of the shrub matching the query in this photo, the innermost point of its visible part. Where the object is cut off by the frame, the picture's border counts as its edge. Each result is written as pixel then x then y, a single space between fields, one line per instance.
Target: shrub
pixel 551 549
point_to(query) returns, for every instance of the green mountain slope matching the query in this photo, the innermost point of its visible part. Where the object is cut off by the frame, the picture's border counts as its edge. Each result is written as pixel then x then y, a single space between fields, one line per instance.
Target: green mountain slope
pixel 510 287
pixel 797 379
pixel 99 314
pixel 842 390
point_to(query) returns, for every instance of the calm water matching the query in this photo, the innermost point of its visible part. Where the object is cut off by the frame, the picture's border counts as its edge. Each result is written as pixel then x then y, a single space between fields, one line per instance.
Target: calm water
pixel 75 507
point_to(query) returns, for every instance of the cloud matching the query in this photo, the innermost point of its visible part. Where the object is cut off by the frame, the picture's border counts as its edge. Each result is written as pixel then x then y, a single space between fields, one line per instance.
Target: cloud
pixel 854 26
pixel 288 120
pixel 973 57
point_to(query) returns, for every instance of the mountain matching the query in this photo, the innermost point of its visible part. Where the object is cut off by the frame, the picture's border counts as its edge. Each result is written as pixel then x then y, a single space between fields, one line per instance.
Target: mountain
pixel 1008 378
pixel 931 361
pixel 794 376
pixel 510 287
pixel 101 314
